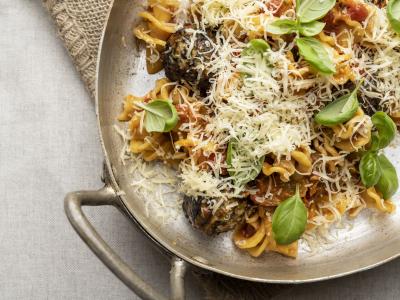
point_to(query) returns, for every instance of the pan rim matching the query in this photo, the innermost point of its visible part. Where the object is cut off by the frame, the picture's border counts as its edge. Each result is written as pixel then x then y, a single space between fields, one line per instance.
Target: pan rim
pixel 166 246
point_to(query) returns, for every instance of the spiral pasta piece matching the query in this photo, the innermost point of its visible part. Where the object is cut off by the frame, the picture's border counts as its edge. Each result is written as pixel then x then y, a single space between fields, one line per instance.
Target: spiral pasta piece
pixel 285 168
pixel 343 72
pixel 152 146
pixel 344 24
pixel 339 207
pixel 156 28
pixel 261 239
pixel 354 134
pixel 161 90
pixel 300 161
pixel 168 147
pixel 396 117
pixel 374 199
pixel 302 158
pixel 129 107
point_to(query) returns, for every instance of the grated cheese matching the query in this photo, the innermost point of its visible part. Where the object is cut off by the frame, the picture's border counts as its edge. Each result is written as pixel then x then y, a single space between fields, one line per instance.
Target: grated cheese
pixel 152 182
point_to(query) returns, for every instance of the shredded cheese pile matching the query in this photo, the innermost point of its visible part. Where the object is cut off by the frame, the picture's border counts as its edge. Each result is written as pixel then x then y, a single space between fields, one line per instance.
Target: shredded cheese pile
pixel 265 112
pixel 155 183
pixel 380 59
pixel 268 111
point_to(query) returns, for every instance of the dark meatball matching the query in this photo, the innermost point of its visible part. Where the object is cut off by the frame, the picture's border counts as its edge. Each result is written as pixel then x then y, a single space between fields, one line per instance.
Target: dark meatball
pixel 186 55
pixel 224 219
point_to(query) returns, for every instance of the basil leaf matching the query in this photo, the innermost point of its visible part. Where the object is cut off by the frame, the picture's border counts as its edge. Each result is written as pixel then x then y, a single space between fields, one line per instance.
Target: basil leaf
pixel 311 10
pixel 388 183
pixel 254 49
pixel 311 29
pixel 386 130
pixel 289 220
pixel 283 26
pixel 241 177
pixel 161 115
pixel 316 55
pixel 374 142
pixel 229 154
pixel 339 111
pixel 393 13
pixel 370 169
pixel 255 46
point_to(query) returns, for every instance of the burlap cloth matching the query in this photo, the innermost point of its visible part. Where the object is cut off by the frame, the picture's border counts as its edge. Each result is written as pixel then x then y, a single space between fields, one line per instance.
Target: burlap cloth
pixel 80 24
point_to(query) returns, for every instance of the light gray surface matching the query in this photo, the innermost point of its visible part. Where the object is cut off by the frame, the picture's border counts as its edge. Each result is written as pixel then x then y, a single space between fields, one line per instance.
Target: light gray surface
pixel 49 146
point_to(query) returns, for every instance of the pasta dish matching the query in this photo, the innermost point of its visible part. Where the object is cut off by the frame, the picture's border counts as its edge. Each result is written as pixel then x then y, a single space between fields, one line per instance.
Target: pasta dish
pixel 275 113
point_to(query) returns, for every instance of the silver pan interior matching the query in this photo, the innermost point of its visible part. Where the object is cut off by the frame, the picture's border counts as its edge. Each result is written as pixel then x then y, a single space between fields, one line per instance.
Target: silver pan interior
pixel 371 241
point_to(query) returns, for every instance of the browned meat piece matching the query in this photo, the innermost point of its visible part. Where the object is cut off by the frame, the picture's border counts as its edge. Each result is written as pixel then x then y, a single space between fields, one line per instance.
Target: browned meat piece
pixel 278 190
pixel 224 219
pixel 186 55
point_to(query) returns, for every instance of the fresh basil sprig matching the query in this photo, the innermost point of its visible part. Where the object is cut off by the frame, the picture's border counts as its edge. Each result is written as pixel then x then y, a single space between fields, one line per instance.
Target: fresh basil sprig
pixel 377 170
pixel 339 111
pixel 161 115
pixel 286 26
pixel 388 183
pixel 315 53
pixel 386 130
pixel 255 46
pixel 241 177
pixel 393 13
pixel 370 170
pixel 307 13
pixel 311 29
pixel 311 10
pixel 283 26
pixel 289 220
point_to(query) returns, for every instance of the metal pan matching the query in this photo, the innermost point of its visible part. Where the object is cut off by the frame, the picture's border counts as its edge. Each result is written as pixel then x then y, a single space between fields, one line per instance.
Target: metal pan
pixel 121 71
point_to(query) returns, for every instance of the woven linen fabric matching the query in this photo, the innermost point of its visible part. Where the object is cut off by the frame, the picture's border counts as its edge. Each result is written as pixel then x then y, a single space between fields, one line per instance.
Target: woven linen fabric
pixel 80 24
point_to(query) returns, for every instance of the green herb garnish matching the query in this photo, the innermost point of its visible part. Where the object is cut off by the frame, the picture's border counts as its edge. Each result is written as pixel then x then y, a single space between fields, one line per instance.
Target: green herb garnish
pixel 393 13
pixel 312 50
pixel 241 177
pixel 256 46
pixel 311 29
pixel 370 170
pixel 161 115
pixel 388 183
pixel 315 53
pixel 311 10
pixel 377 170
pixel 339 111
pixel 282 26
pixel 386 130
pixel 289 220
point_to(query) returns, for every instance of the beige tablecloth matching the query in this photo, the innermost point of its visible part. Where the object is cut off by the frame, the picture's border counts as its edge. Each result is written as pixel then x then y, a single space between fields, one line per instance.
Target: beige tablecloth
pixel 80 24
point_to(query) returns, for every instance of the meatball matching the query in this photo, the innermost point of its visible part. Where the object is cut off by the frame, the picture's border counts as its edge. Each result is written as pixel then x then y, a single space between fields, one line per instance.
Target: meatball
pixel 186 55
pixel 200 215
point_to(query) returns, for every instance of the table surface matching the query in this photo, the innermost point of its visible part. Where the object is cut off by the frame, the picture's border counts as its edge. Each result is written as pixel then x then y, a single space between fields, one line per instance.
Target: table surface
pixel 49 146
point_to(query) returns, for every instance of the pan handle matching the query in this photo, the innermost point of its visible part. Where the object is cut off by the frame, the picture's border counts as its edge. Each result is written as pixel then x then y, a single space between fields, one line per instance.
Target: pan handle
pixel 106 196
